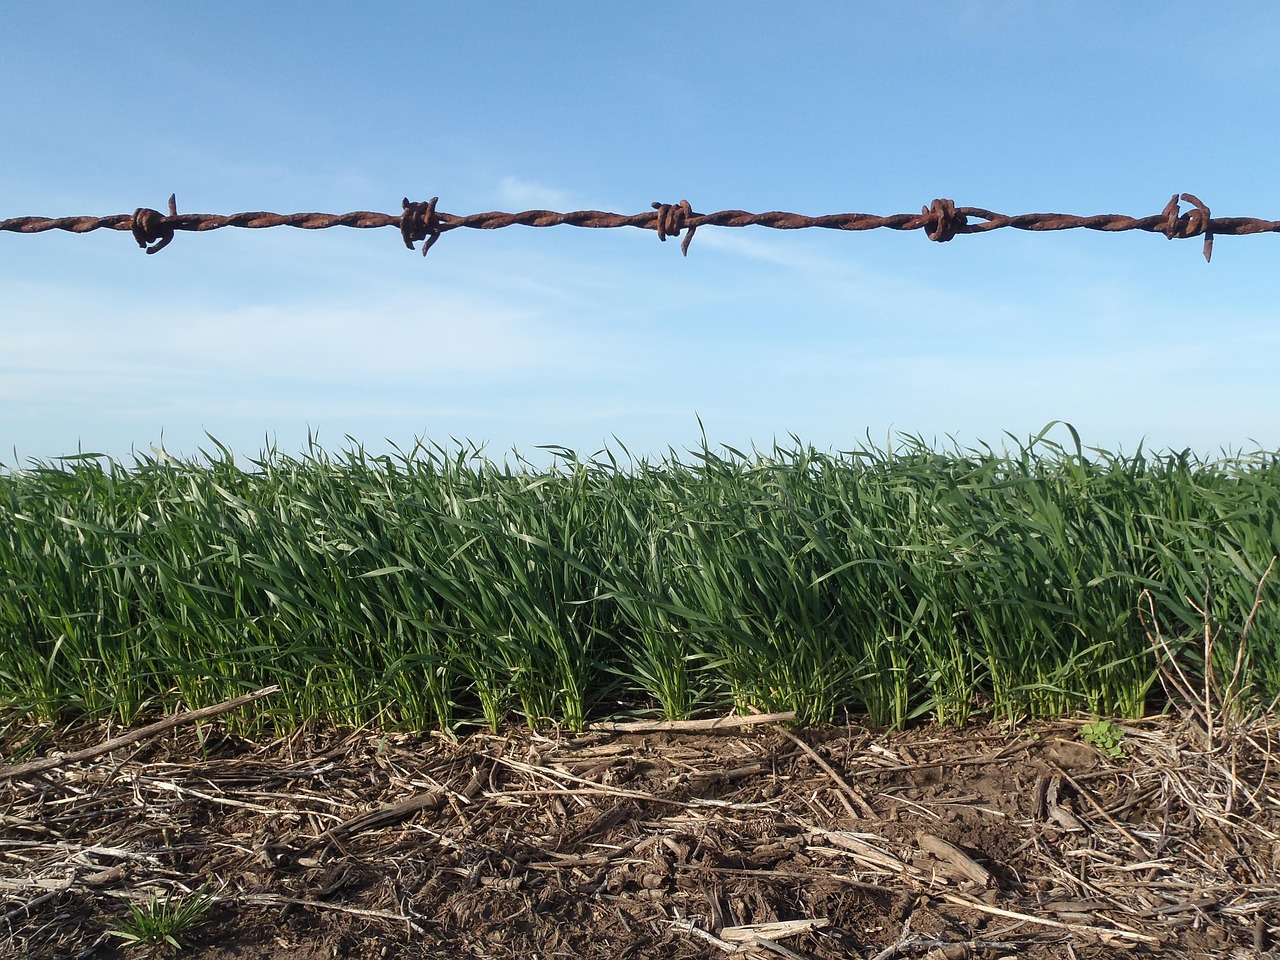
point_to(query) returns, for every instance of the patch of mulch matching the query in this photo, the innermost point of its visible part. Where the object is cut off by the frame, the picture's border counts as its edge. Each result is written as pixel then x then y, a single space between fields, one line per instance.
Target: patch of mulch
pixel 620 842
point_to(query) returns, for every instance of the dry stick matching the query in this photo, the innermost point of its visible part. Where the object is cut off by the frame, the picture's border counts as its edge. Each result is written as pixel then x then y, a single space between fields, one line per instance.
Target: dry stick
pixel 689 927
pixel 865 807
pixel 592 787
pixel 1028 918
pixel 894 949
pixel 273 900
pixel 778 929
pixel 392 813
pixel 681 726
pixel 30 905
pixel 1165 659
pixel 1203 903
pixel 785 875
pixel 1081 791
pixel 1233 687
pixel 862 850
pixel 23 770
pixel 775 947
pixel 174 787
pixel 960 948
pixel 1210 636
pixel 386 816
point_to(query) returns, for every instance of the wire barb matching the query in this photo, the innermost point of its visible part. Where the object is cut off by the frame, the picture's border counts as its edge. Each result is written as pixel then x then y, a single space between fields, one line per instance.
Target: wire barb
pixel 671 219
pixel 944 220
pixel 420 222
pixel 1192 224
pixel 153 227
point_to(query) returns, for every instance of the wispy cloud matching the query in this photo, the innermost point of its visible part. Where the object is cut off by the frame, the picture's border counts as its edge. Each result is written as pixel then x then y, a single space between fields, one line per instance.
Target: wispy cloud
pixel 520 193
pixel 854 289
pixel 391 338
pixel 398 354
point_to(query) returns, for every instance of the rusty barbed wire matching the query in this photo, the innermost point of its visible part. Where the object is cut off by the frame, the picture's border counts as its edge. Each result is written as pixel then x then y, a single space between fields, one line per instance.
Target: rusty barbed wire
pixel 941 221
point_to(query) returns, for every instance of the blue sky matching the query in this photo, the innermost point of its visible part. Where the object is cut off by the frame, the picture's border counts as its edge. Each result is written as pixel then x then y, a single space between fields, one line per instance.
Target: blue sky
pixel 520 337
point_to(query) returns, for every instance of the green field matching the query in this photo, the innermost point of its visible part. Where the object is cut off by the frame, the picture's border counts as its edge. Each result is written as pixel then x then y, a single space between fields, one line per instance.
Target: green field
pixel 438 586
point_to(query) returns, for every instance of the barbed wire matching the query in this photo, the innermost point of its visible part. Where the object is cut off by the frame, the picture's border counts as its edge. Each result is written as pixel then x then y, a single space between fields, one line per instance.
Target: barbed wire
pixel 941 221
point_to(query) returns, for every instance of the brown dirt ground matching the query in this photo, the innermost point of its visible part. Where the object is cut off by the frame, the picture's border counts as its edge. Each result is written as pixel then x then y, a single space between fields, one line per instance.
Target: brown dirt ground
pixel 765 842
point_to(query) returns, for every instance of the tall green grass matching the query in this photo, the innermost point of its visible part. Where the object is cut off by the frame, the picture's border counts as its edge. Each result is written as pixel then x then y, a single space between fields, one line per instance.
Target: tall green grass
pixel 435 586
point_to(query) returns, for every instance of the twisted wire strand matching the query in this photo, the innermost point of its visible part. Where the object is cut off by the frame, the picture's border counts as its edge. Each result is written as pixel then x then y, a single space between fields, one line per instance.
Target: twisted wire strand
pixel 941 221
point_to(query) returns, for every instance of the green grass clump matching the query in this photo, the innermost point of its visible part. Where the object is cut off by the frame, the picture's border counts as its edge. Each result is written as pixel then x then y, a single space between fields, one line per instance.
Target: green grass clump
pixel 435 587
pixel 165 924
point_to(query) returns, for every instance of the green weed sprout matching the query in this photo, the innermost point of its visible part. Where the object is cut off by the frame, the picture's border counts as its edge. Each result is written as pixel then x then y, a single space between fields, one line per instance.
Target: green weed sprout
pixel 1104 735
pixel 165 923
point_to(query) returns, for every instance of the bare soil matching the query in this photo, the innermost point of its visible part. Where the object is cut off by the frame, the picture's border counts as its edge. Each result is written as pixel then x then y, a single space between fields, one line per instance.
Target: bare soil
pixel 762 841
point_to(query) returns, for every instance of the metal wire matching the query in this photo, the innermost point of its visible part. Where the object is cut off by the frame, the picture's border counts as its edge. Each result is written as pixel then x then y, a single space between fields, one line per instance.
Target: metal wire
pixel 941 221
